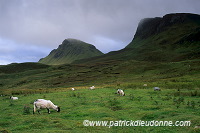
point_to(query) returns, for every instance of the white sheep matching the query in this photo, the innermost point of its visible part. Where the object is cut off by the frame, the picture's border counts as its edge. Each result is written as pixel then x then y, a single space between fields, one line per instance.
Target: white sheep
pixel 120 92
pixel 13 98
pixel 145 85
pixel 197 127
pixel 44 104
pixel 157 89
pixel 92 88
pixel 73 89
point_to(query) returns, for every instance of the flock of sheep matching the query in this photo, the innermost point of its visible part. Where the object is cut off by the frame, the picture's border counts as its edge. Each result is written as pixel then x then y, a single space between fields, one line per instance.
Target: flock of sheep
pixel 47 104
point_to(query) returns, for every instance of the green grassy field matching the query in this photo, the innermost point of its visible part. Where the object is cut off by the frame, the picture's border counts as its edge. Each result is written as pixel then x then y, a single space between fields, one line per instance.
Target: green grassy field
pixel 102 104
pixel 177 101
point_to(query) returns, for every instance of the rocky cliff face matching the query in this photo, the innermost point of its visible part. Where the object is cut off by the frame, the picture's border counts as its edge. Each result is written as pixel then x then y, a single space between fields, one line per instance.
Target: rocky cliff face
pixel 151 26
pixel 69 51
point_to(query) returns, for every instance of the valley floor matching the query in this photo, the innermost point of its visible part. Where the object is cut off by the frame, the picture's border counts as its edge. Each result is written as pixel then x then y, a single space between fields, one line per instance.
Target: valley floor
pixel 102 104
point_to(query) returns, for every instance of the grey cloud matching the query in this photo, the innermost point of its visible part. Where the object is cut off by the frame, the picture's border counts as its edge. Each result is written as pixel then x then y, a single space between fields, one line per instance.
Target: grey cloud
pixel 11 52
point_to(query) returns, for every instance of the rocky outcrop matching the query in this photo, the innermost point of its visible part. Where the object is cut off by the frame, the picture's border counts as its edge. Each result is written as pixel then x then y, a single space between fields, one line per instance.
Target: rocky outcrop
pixel 151 26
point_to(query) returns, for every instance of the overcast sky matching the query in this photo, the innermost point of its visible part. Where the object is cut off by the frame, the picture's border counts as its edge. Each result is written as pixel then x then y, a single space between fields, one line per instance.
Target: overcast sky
pixel 30 29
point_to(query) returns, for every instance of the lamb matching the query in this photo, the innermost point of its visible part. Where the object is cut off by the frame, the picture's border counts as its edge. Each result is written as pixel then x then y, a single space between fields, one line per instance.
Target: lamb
pixel 120 92
pixel 44 104
pixel 13 98
pixel 157 89
pixel 92 88
pixel 73 89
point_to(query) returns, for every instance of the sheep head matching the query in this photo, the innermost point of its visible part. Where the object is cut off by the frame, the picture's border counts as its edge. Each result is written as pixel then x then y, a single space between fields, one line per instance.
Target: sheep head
pixel 58 109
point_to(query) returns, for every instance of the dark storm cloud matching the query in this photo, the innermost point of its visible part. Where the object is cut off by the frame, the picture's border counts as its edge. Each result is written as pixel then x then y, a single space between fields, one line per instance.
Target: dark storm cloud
pixel 108 24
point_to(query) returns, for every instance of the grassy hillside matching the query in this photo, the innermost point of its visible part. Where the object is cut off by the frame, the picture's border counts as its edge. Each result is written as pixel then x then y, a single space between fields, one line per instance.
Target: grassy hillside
pixel 21 67
pixel 174 37
pixel 116 72
pixel 69 51
pixel 170 45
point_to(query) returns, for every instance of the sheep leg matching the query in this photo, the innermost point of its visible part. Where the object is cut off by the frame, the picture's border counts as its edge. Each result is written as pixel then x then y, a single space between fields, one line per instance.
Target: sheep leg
pixel 33 112
pixel 48 111
pixel 39 111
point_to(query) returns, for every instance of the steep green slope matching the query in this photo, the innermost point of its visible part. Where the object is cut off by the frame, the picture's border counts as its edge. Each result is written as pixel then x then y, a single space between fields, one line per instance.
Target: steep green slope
pixel 69 51
pixel 174 37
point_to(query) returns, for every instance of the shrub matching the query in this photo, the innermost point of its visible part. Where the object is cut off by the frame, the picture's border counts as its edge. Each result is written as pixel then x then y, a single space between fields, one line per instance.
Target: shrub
pixel 139 98
pixel 193 104
pixel 4 131
pixel 26 110
pixel 195 93
pixel 131 97
pixel 114 105
pixel 11 103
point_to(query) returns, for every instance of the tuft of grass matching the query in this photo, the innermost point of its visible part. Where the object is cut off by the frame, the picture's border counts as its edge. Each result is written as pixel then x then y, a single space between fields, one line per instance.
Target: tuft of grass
pixel 26 110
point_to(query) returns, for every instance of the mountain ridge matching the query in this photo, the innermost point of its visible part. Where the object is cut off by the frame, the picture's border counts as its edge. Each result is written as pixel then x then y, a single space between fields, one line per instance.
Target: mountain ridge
pixel 69 51
pixel 173 37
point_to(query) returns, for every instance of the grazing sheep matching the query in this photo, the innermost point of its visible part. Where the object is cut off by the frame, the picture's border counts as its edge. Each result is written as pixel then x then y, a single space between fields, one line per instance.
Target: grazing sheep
pixel 157 89
pixel 73 89
pixel 120 92
pixel 92 88
pixel 13 98
pixel 145 85
pixel 44 104
pixel 197 127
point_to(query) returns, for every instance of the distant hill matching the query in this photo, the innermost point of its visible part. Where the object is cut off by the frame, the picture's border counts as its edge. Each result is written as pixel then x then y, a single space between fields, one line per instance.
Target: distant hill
pixel 21 67
pixel 173 37
pixel 69 51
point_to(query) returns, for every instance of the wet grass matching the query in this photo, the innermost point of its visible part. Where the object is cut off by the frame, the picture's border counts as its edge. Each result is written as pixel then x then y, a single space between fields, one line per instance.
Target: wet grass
pixel 101 104
pixel 178 99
